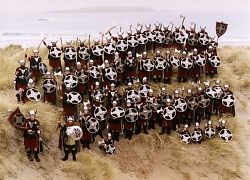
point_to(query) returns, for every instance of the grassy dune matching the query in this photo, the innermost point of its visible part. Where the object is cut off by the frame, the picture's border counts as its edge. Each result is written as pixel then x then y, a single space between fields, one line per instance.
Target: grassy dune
pixel 138 158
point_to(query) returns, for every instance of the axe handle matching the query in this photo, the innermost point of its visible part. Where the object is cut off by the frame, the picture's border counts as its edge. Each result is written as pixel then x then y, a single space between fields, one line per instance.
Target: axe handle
pixel 89 41
pixel 182 24
pixel 57 127
pixel 110 30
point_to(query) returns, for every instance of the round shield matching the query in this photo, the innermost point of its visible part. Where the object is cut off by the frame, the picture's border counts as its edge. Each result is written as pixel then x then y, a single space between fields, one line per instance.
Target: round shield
pixel 196 136
pixel 131 115
pixel 209 132
pixel 111 73
pixel 42 68
pixel 193 103
pixel 211 92
pixel 100 113
pixel 49 85
pixel 142 39
pixel 19 119
pixel 215 61
pixel 148 65
pixel 99 93
pixel 122 45
pixel 145 112
pixel 132 94
pixel 120 67
pixel 204 39
pixel 110 149
pixel 82 78
pixel 160 37
pixel 97 50
pixel 185 138
pixel 71 80
pixel 192 40
pixel 109 48
pixel 218 90
pixel 169 113
pixel 180 105
pixel 70 53
pixel 226 135
pixel 204 101
pixel 33 94
pixel 179 38
pixel 175 61
pixel 200 60
pixel 169 39
pixel 132 41
pixel 94 72
pixel 92 125
pixel 186 63
pixel 228 100
pixel 55 52
pixel 84 53
pixel 74 97
pixel 75 132
pixel 154 106
pixel 151 36
pixel 160 64
pixel 143 90
pixel 117 112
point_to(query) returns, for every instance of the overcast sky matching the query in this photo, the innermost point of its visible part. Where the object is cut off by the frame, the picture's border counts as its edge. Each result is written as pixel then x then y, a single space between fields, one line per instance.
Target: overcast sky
pixel 50 5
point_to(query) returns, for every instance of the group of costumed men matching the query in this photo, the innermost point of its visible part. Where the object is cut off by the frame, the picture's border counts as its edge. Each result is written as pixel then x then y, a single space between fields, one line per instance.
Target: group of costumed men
pixel 96 71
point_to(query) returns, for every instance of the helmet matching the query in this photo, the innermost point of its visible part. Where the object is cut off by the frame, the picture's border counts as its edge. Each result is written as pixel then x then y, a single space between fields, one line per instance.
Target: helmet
pixel 32 112
pixel 163 89
pixel 109 134
pixel 197 124
pixel 67 69
pixel 70 118
pixel 186 126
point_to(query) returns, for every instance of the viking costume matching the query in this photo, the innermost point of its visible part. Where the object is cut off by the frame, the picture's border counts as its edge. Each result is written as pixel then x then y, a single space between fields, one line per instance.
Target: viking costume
pixel 199 112
pixel 190 33
pixel 50 97
pixel 140 122
pixel 198 129
pixel 118 63
pixel 177 45
pixel 202 32
pixel 86 135
pixel 81 88
pixel 157 29
pixel 149 44
pixel 168 71
pixel 157 74
pixel 79 58
pixel 69 62
pixel 128 126
pixel 97 58
pixel 34 65
pixel 131 65
pixel 182 72
pixel 140 48
pixel 196 69
pixel 106 56
pixel 189 114
pixel 141 70
pixel 114 123
pixel 166 123
pixel 209 69
pixel 102 124
pixel 69 109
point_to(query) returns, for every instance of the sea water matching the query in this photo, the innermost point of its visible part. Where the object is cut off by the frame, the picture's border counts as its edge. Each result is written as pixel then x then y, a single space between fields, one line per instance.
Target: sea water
pixel 28 29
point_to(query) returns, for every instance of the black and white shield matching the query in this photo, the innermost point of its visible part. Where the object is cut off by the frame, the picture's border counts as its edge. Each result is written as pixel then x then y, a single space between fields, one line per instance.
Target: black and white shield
pixel 179 38
pixel 99 93
pixel 132 94
pixel 100 113
pixel 75 132
pixel 109 48
pixel 151 36
pixel 160 64
pixel 131 115
pixel 120 67
pixel 55 52
pixel 218 90
pixel 204 101
pixel 71 80
pixel 97 50
pixel 196 136
pixel 49 85
pixel 82 78
pixel 226 135
pixel 84 53
pixel 200 60
pixel 117 112
pixel 70 53
pixel 228 100
pixel 155 104
pixel 33 94
pixel 94 72
pixel 110 150
pixel 192 40
pixel 186 63
pixel 143 90
pixel 19 119
pixel 211 92
pixel 169 113
pixel 193 103
pixel 210 132
pixel 160 37
pixel 185 138
pixel 215 61
pixel 122 45
pixel 148 65
pixel 111 73
pixel 74 97
pixel 204 39
pixel 42 68
pixel 175 61
pixel 145 112
pixel 92 125
pixel 142 39
pixel 180 105
pixel 132 41
pixel 169 38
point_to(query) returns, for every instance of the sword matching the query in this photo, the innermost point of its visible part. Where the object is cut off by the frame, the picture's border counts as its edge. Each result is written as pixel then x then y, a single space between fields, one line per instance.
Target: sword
pixel 42 142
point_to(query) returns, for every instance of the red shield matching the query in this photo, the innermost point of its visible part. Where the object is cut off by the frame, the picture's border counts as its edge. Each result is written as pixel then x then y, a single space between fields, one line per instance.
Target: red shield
pixel 11 118
pixel 221 28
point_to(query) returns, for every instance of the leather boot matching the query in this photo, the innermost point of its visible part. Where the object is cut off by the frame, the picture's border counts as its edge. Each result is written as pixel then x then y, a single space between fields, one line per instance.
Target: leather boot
pixel 36 156
pixel 145 129
pixel 66 156
pixel 168 130
pixel 162 130
pixel 74 155
pixel 138 129
pixel 29 155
